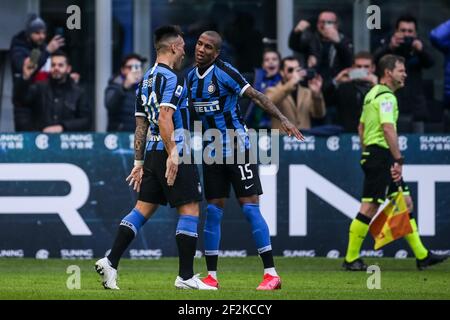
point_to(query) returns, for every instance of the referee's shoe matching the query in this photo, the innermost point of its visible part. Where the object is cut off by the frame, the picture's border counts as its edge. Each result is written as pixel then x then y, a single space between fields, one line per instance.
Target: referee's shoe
pixel 357 265
pixel 429 260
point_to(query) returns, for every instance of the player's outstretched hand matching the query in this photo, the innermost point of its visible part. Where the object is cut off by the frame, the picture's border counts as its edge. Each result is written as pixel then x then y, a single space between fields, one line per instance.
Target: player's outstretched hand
pixel 135 177
pixel 291 130
pixel 171 169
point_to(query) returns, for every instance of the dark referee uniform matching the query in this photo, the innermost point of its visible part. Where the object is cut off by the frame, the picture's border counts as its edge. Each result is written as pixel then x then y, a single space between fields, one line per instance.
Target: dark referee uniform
pixel 162 87
pixel 214 96
pixel 380 106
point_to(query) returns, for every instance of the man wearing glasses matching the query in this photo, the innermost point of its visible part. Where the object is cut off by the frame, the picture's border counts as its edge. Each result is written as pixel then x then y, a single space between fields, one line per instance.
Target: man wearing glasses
pixel 326 49
pixel 405 42
pixel 298 95
pixel 120 94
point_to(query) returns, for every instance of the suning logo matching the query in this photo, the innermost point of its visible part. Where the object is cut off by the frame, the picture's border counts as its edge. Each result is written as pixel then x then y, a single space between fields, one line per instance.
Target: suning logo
pixel 145 254
pixel 292 144
pixel 11 141
pixel 11 253
pixel 76 141
pixel 372 253
pixel 233 253
pixel 436 143
pixel 299 253
pixel 77 254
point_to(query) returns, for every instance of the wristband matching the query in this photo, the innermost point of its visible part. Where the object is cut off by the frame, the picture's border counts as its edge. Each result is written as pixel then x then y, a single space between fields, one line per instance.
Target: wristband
pixel 138 163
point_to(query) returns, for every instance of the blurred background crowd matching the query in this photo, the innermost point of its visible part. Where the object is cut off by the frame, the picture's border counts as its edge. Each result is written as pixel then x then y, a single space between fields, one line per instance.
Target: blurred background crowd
pixel 314 59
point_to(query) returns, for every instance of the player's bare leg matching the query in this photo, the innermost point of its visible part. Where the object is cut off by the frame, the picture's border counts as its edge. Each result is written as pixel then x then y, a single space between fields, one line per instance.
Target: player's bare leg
pixel 128 229
pixel 186 237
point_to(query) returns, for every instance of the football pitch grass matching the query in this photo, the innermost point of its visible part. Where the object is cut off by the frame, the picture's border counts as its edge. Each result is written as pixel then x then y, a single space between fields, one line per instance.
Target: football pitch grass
pixel 303 278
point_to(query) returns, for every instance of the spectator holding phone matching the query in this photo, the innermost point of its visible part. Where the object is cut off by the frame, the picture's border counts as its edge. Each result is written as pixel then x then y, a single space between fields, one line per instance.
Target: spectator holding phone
pixel 405 42
pixel 440 38
pixel 298 95
pixel 120 94
pixel 31 43
pixel 51 106
pixel 352 84
pixel 326 49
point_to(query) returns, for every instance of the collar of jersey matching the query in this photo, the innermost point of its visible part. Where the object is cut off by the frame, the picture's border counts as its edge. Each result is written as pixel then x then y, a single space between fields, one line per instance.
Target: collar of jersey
pixel 159 64
pixel 205 73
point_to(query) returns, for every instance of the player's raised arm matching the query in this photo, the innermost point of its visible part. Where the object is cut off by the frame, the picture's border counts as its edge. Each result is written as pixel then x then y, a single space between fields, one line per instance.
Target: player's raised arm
pixel 268 106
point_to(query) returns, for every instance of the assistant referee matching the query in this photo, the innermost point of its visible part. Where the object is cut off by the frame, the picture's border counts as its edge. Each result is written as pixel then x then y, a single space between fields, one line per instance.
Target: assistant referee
pixel 382 164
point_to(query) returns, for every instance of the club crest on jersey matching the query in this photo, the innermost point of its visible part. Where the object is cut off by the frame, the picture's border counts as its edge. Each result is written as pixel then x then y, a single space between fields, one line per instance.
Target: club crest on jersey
pixel 178 91
pixel 211 88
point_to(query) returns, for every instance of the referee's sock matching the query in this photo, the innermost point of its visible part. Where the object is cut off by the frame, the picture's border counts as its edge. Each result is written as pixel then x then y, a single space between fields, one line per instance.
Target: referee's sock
pixel 211 231
pixel 358 231
pixel 186 237
pixel 415 243
pixel 261 235
pixel 128 229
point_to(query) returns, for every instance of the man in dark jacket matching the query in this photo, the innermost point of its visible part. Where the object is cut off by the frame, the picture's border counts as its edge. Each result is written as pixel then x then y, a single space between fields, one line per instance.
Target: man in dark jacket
pixel 327 50
pixel 352 86
pixel 405 43
pixel 120 94
pixel 33 37
pixel 440 38
pixel 52 106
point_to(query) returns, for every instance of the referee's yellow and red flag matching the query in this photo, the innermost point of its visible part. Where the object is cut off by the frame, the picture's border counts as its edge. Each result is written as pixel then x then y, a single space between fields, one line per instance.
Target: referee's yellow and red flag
pixel 392 222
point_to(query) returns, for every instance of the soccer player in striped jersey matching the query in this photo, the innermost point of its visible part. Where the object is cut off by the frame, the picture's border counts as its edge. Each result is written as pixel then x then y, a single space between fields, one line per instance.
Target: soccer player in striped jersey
pixel 160 178
pixel 214 90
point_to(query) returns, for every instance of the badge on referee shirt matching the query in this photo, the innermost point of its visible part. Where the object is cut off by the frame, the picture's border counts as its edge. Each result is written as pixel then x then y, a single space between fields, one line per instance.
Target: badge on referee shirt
pixel 386 106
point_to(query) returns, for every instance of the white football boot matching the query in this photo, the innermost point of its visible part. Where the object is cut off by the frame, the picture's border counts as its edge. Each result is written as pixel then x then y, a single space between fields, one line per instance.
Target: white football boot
pixel 194 283
pixel 108 273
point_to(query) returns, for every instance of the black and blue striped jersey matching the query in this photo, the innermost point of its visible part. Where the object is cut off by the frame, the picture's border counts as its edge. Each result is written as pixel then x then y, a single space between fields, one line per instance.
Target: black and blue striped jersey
pixel 214 96
pixel 162 87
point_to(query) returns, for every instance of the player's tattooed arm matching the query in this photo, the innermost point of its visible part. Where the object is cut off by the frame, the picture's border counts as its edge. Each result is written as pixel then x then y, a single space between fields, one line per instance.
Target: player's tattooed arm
pixel 140 138
pixel 268 106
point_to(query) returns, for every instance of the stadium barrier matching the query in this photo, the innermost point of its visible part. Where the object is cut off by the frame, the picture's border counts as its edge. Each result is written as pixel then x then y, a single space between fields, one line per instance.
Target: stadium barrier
pixel 62 196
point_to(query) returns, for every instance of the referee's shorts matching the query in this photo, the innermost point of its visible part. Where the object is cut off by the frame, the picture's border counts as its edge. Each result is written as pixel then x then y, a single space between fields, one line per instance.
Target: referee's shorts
pixel 376 163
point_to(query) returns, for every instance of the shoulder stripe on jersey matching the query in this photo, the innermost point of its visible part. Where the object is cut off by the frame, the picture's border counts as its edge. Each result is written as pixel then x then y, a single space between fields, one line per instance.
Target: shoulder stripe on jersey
pixel 157 86
pixel 216 85
pixel 233 74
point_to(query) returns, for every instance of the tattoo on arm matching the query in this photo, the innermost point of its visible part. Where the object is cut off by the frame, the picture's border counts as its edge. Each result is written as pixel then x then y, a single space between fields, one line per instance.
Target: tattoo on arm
pixel 140 137
pixel 264 102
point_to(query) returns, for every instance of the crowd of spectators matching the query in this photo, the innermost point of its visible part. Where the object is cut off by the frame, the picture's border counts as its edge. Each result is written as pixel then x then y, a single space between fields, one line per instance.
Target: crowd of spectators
pixel 322 84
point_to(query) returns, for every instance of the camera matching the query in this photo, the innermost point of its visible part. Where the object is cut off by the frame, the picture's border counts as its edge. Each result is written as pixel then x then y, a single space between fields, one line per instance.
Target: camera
pixel 407 42
pixel 311 73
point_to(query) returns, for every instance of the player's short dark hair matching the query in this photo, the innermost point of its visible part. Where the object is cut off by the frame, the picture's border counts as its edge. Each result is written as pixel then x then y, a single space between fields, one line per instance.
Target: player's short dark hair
pixel 289 58
pixel 165 32
pixel 388 62
pixel 267 50
pixel 60 53
pixel 215 35
pixel 363 55
pixel 406 18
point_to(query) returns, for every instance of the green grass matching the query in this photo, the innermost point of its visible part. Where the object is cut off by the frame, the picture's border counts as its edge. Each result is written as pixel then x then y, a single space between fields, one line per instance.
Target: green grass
pixel 303 278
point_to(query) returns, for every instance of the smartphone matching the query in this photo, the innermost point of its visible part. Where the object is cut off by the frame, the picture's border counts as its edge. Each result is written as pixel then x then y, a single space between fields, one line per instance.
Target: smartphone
pixel 358 73
pixel 59 32
pixel 35 56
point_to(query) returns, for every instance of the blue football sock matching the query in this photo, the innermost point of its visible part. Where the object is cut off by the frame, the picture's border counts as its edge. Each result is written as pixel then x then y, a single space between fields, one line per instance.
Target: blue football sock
pixel 187 225
pixel 134 220
pixel 212 229
pixel 260 229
